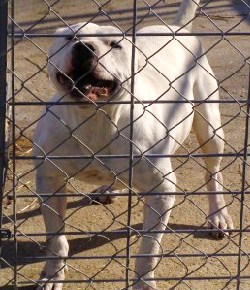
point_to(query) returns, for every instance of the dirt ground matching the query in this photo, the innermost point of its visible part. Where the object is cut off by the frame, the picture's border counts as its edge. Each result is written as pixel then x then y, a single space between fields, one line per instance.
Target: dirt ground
pixel 195 260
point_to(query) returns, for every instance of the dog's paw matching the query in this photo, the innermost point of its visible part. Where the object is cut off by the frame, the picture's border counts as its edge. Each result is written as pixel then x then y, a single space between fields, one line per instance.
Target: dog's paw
pixel 49 284
pixel 144 286
pixel 104 195
pixel 52 282
pixel 222 221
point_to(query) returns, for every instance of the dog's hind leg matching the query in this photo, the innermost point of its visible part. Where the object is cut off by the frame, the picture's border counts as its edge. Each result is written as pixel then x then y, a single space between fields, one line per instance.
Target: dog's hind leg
pixel 210 135
pixel 53 209
pixel 157 209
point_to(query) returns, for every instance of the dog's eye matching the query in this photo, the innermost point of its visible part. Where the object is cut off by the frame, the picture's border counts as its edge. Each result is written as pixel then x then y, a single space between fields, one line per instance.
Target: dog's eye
pixel 115 44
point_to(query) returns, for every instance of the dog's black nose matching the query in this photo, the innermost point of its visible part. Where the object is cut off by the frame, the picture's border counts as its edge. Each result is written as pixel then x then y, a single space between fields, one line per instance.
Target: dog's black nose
pixel 82 53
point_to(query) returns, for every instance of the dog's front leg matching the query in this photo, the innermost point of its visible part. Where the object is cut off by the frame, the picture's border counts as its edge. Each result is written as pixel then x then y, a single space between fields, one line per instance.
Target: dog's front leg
pixel 53 209
pixel 218 217
pixel 157 210
pixel 208 128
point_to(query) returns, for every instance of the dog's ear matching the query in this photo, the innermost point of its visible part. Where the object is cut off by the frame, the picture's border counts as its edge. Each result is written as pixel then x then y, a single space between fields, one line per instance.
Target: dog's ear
pixel 55 47
pixel 64 31
pixel 61 30
pixel 67 31
pixel 141 60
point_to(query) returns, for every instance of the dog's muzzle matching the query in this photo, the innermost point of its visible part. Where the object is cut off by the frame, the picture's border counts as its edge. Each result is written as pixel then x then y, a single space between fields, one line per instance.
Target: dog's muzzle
pixel 82 81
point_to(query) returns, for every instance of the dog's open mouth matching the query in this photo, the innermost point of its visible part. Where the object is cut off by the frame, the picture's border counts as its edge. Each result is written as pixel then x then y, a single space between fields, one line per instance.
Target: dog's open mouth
pixel 88 86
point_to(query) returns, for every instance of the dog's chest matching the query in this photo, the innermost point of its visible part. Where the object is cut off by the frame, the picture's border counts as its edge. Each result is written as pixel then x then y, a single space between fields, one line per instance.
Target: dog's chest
pixel 93 135
pixel 94 131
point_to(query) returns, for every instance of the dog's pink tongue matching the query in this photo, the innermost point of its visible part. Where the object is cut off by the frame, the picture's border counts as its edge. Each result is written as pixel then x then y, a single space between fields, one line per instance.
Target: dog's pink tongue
pixel 93 93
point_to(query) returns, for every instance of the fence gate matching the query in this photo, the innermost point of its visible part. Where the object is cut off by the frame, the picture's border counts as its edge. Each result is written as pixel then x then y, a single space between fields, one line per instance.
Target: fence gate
pixel 104 225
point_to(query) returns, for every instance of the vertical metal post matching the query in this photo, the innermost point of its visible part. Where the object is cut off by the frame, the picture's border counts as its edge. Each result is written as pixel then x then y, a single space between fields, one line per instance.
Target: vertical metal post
pixel 14 180
pixel 243 183
pixel 131 143
pixel 3 97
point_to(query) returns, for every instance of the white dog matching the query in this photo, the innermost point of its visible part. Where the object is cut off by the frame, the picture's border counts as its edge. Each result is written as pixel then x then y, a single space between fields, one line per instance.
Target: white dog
pixel 90 69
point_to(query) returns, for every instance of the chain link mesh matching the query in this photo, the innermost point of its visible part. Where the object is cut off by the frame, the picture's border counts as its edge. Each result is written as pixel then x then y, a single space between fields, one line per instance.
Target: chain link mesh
pixel 104 234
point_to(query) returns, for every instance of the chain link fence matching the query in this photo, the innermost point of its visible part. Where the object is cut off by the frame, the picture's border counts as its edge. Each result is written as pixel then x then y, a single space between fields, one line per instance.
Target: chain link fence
pixel 103 225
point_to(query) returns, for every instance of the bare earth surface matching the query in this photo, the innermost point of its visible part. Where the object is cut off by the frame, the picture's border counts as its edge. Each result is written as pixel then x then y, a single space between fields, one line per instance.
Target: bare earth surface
pixel 196 260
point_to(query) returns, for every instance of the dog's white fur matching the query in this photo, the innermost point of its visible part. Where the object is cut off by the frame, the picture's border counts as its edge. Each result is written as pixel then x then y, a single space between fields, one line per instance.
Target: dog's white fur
pixel 176 71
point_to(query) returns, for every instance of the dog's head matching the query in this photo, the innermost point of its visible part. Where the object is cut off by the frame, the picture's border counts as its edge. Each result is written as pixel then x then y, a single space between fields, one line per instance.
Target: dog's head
pixel 93 68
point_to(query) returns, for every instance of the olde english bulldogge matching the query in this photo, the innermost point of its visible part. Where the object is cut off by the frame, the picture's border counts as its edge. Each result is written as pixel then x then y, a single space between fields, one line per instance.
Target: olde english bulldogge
pixel 94 71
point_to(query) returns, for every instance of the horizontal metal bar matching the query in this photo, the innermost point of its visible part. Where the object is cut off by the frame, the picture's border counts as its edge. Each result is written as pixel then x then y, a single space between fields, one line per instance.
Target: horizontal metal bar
pixel 144 102
pixel 135 231
pixel 93 196
pixel 127 34
pixel 112 257
pixel 180 278
pixel 125 156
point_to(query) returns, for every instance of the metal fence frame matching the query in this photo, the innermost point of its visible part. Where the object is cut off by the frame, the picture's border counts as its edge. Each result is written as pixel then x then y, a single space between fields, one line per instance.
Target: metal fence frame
pixel 5 233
